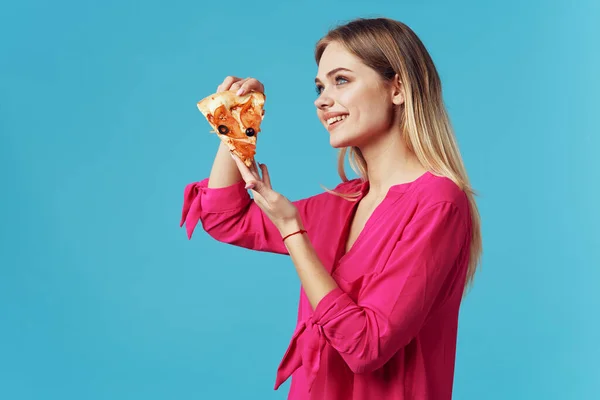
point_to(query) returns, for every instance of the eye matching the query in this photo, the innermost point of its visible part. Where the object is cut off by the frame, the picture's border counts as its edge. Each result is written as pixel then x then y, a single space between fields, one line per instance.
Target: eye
pixel 340 78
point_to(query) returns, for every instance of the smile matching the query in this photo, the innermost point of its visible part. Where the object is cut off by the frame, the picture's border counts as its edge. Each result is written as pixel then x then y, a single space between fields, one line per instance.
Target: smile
pixel 336 120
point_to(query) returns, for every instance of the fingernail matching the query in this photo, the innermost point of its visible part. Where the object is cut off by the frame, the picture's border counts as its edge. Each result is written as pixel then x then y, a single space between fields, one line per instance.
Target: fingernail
pixel 249 186
pixel 240 92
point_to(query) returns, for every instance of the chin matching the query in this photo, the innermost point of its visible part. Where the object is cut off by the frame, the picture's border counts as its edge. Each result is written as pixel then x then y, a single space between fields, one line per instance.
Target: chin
pixel 339 140
pixel 338 143
pixel 333 142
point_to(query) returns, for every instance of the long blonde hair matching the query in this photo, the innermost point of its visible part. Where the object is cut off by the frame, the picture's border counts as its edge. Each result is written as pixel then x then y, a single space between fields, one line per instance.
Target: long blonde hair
pixel 391 47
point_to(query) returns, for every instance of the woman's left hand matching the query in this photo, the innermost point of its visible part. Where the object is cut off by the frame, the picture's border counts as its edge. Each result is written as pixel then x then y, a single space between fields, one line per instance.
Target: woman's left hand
pixel 282 212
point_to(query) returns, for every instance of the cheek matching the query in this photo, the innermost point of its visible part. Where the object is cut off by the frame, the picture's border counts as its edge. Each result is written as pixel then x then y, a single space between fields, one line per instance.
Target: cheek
pixel 374 112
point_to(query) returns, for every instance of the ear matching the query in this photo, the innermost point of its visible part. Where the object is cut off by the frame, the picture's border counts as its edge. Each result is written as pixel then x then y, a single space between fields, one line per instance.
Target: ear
pixel 397 91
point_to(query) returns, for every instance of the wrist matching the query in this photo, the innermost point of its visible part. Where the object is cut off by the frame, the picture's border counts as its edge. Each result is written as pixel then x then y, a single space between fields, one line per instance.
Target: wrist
pixel 291 226
pixel 290 236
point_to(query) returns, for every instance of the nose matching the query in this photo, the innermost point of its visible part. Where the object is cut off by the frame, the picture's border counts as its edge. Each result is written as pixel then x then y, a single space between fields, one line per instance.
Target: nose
pixel 323 101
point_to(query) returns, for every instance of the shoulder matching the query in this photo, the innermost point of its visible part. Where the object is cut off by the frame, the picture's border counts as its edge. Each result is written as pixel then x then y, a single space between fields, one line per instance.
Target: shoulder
pixel 437 189
pixel 436 192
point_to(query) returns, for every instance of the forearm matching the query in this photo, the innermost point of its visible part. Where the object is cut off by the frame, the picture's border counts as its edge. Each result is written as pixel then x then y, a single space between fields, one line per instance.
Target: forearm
pixel 360 344
pixel 315 279
pixel 362 335
pixel 224 172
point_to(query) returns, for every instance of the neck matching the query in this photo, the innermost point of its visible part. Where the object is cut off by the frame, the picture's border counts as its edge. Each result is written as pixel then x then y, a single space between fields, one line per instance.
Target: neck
pixel 389 163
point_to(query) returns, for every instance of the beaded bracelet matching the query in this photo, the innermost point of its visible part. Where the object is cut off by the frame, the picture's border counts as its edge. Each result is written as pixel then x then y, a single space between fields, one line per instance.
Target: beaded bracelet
pixel 294 233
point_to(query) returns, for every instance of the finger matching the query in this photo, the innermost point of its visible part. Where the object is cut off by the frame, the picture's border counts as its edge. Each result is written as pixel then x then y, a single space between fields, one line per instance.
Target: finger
pixel 237 84
pixel 254 169
pixel 250 84
pixel 247 174
pixel 253 181
pixel 259 187
pixel 266 178
pixel 260 200
pixel 227 82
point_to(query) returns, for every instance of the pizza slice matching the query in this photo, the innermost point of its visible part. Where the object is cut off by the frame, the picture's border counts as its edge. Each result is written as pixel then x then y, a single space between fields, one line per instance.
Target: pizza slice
pixel 236 120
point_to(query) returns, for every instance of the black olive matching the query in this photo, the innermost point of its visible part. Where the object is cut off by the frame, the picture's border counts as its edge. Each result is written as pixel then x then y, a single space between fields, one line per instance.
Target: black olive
pixel 223 129
pixel 250 132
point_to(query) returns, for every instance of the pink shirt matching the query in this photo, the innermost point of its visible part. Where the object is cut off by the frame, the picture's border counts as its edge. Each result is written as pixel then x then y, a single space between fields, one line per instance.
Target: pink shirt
pixel 389 331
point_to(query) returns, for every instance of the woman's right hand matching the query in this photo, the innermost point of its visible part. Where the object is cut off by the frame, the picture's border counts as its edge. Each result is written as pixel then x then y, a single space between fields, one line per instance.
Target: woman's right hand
pixel 241 86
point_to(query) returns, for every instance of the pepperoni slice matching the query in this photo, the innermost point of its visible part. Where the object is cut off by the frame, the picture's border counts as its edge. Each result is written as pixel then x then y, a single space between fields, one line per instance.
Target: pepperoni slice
pixel 222 117
pixel 249 117
pixel 248 150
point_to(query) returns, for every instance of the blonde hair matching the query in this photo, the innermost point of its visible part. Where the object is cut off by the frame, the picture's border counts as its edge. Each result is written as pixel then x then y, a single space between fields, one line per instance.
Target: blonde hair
pixel 391 47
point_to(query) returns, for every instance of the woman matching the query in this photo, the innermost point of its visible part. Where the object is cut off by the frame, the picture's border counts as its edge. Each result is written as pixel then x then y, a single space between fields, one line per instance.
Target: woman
pixel 383 259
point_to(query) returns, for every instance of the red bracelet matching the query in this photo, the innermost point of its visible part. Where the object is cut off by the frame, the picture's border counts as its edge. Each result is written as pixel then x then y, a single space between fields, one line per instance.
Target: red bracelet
pixel 291 234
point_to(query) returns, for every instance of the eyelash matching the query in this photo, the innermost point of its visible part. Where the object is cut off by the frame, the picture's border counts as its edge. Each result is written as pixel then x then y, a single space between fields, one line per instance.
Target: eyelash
pixel 319 88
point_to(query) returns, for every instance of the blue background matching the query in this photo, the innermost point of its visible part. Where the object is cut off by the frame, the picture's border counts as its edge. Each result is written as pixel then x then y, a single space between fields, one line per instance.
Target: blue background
pixel 103 297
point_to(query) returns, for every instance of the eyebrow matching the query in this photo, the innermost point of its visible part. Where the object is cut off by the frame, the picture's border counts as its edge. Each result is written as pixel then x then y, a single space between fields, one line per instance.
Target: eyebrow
pixel 333 71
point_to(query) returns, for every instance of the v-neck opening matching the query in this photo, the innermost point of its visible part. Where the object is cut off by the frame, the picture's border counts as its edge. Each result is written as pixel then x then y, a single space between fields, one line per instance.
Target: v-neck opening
pixel 375 216
pixel 364 188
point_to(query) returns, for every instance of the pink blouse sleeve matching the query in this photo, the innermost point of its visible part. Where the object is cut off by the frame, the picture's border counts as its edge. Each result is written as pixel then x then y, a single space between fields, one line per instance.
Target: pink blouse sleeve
pixel 230 215
pixel 397 301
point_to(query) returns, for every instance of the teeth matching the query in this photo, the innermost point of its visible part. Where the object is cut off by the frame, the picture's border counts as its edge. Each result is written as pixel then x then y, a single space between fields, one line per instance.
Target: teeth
pixel 335 119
